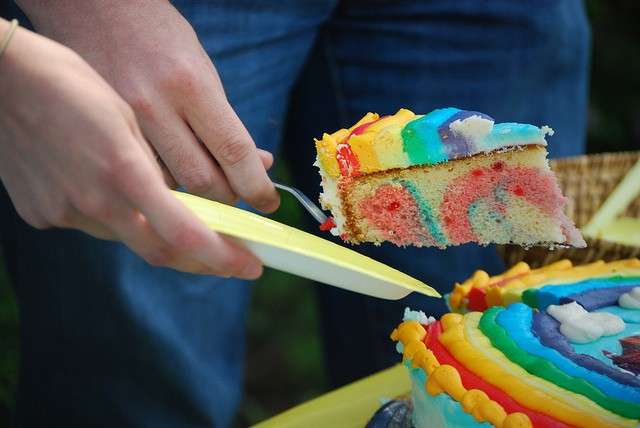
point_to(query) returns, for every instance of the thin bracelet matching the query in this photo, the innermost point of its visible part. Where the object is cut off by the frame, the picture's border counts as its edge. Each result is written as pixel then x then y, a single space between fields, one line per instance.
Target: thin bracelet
pixel 9 35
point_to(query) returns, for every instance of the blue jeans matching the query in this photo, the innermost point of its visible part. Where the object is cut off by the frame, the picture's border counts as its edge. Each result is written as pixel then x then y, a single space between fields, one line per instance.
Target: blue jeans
pixel 110 341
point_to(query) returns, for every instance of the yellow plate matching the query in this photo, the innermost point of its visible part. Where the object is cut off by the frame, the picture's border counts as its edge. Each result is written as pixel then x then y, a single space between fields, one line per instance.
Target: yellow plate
pixel 291 250
pixel 349 406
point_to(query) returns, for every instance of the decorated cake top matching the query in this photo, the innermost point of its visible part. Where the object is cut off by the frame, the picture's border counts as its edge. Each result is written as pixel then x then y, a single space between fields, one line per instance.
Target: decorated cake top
pixel 573 360
pixel 405 139
pixel 535 286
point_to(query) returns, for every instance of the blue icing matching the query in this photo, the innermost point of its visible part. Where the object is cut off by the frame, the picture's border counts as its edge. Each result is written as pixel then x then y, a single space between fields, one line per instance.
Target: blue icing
pixel 610 343
pixel 551 294
pixel 399 347
pixel 517 321
pixel 458 145
pixel 627 315
pixel 421 139
pixel 439 411
pixel 505 134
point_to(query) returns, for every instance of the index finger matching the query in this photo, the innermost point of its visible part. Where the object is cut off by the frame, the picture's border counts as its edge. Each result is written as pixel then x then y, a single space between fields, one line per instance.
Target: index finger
pixel 222 132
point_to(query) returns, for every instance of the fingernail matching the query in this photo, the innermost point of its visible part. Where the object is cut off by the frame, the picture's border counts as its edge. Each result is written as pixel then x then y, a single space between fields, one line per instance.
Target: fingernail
pixel 269 205
pixel 251 271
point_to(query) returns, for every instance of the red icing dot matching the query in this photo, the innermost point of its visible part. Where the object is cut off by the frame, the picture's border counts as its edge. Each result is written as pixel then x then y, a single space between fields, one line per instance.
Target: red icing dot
pixel 393 206
pixel 498 166
pixel 477 172
pixel 518 190
pixel 328 224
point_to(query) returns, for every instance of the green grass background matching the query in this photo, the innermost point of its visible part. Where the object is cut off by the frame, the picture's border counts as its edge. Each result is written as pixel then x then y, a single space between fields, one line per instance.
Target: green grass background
pixel 284 355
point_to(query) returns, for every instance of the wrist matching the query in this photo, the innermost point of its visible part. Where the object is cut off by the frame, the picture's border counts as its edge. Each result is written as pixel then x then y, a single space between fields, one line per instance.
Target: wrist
pixel 54 17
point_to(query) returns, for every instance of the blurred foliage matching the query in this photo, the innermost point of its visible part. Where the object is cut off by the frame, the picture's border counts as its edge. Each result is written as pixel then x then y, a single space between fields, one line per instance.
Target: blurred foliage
pixel 614 110
pixel 284 363
pixel 9 347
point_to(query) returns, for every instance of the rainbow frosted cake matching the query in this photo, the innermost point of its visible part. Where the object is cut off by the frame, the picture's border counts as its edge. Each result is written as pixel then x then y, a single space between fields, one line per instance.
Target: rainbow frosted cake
pixel 441 179
pixel 569 356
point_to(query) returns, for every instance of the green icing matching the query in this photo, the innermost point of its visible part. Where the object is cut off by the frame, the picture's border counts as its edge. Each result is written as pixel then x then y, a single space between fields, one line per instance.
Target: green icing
pixel 425 213
pixel 530 298
pixel 544 369
pixel 421 140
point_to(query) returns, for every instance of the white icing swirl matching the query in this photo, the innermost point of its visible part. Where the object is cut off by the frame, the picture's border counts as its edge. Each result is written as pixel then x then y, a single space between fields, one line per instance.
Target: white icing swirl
pixel 419 316
pixel 630 300
pixel 580 326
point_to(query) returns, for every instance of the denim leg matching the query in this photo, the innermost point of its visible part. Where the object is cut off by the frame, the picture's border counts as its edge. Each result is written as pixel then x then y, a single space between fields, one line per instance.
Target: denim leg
pixel 106 339
pixel 517 61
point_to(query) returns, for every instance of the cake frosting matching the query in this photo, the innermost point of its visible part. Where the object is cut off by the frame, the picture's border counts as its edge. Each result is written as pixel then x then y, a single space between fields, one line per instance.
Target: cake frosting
pixel 405 139
pixel 445 178
pixel 515 366
pixel 551 284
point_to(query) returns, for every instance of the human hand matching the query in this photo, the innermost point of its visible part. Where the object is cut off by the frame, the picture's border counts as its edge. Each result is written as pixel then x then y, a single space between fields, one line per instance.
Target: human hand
pixel 150 54
pixel 72 156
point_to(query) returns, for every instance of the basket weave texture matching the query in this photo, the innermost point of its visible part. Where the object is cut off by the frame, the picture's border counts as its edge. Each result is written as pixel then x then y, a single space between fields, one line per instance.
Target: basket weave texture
pixel 587 181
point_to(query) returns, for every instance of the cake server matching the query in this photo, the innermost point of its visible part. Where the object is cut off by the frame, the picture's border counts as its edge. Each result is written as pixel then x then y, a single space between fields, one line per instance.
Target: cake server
pixel 304 201
pixel 300 253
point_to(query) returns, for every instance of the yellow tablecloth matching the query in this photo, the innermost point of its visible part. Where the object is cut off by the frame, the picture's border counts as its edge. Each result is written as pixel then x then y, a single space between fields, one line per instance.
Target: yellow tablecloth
pixel 349 406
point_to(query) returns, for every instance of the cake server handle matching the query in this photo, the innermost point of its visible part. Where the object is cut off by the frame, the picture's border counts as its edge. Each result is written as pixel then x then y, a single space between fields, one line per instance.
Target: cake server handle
pixel 305 201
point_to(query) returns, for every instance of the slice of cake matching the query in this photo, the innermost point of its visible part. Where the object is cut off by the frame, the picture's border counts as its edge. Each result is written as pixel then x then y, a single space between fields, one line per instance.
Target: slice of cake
pixel 445 178
pixel 572 360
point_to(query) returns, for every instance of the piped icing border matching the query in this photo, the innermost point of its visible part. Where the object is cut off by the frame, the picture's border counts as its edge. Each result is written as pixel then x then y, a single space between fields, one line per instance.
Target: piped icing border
pixel 445 378
pixel 469 345
pixel 482 291
pixel 614 399
pixel 404 139
pixel 473 381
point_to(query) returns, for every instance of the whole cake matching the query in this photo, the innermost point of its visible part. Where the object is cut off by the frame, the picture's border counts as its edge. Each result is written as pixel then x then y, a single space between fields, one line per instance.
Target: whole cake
pixel 566 353
pixel 445 178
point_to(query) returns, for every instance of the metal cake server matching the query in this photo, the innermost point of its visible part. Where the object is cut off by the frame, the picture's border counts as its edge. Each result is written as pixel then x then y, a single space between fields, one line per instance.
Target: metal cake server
pixel 305 201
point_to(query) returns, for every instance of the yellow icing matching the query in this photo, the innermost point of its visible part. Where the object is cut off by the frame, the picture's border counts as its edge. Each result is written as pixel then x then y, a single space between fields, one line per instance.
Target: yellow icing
pixel 326 149
pixel 471 348
pixel 388 145
pixel 379 143
pixel 364 151
pixel 445 378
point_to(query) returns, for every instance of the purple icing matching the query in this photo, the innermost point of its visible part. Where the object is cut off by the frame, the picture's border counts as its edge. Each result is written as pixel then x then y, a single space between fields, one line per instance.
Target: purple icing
pixel 547 330
pixel 457 146
pixel 597 298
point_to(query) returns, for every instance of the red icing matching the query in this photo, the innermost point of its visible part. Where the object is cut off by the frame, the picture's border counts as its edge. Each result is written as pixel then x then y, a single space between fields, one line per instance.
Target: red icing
pixel 393 211
pixel 360 129
pixel 472 381
pixel 542 191
pixel 476 299
pixel 328 224
pixel 347 160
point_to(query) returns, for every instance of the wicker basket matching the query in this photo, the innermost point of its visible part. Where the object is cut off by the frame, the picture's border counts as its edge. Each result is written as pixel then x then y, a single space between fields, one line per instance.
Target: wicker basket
pixel 586 181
